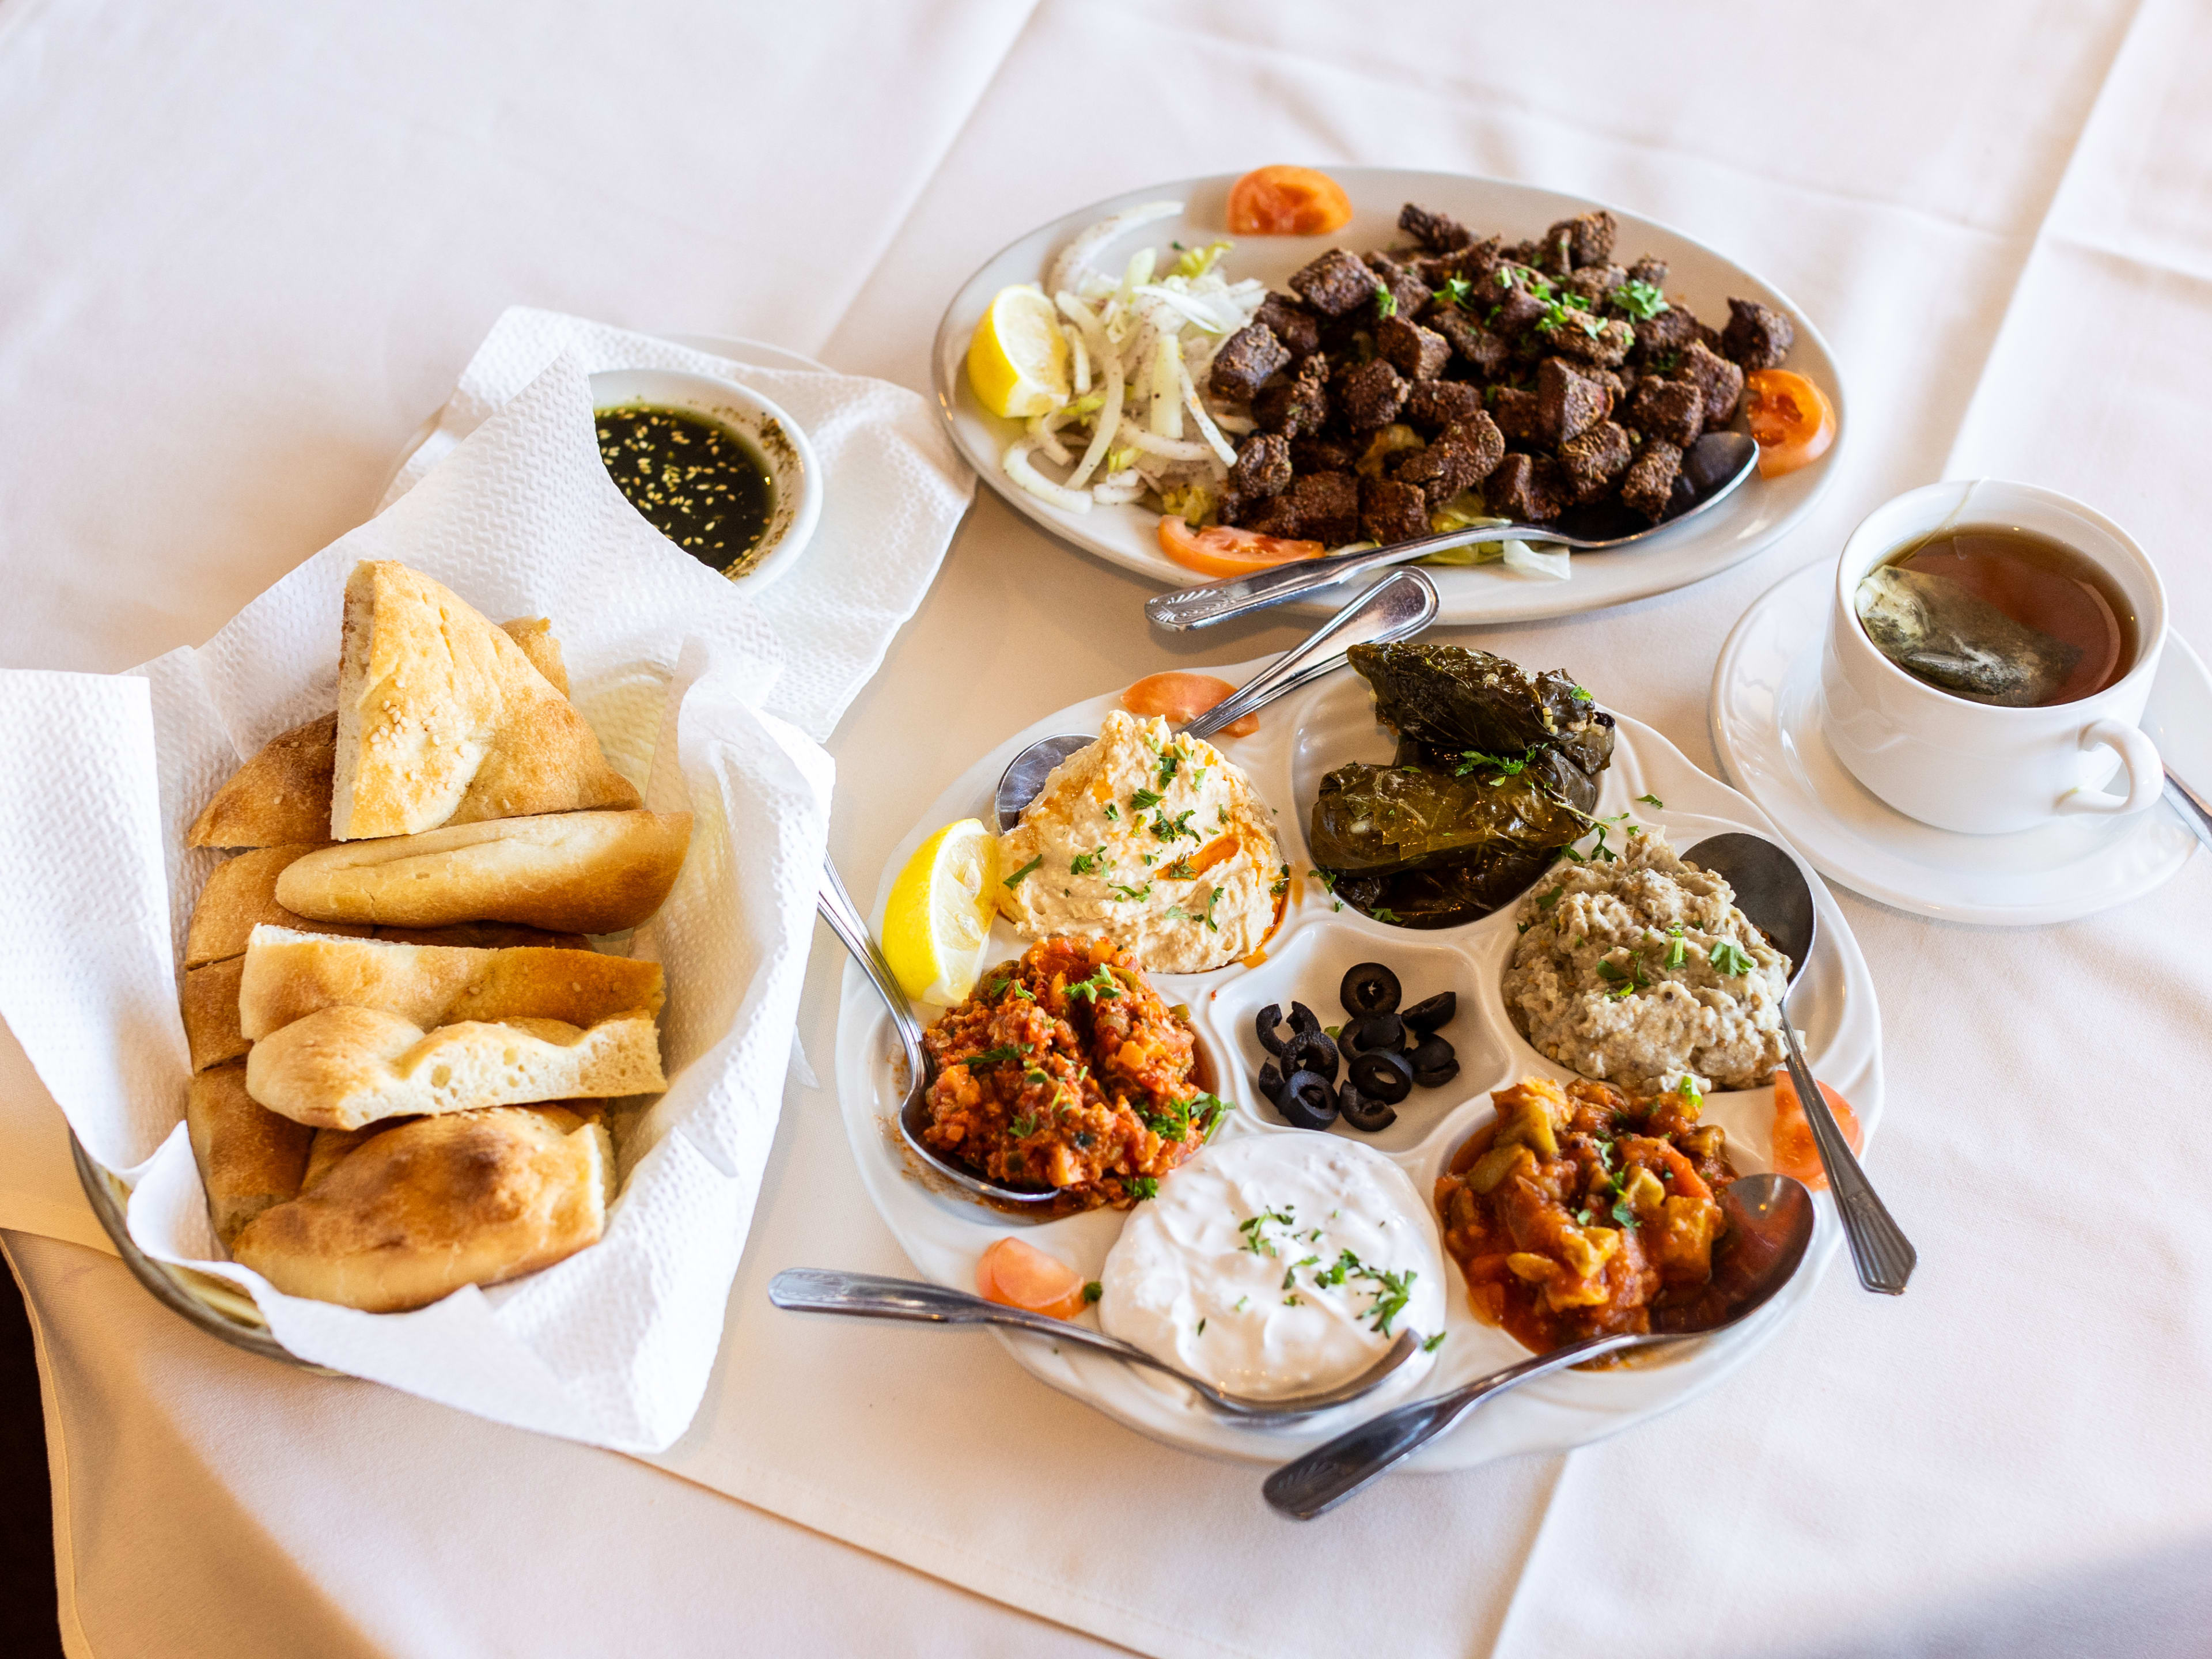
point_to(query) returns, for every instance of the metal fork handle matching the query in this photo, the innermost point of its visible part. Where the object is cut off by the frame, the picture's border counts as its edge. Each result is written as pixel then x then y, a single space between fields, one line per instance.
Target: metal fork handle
pixel 2190 808
pixel 1401 603
pixel 1213 602
pixel 843 916
pixel 1328 1474
pixel 1880 1252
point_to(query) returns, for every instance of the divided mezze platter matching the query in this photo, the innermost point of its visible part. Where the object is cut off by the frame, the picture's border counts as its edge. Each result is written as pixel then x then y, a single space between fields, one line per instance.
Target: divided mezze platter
pixel 944 1230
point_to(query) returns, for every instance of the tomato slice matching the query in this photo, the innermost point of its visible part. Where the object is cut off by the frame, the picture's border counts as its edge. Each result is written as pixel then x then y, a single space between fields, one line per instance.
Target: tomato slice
pixel 1280 201
pixel 1794 1154
pixel 1225 551
pixel 1018 1275
pixel 1792 420
pixel 1179 698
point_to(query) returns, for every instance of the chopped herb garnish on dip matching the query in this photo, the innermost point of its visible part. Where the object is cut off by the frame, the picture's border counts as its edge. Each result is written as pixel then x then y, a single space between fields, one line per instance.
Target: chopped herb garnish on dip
pixel 1015 880
pixel 1654 802
pixel 1093 1291
pixel 1144 1186
pixel 1729 959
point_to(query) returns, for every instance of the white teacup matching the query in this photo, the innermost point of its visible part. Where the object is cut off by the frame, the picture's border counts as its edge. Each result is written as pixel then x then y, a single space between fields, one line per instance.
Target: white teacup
pixel 1973 767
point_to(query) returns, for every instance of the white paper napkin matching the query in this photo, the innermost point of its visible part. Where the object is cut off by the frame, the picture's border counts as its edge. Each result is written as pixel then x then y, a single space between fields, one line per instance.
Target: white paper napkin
pixel 100 776
pixel 894 493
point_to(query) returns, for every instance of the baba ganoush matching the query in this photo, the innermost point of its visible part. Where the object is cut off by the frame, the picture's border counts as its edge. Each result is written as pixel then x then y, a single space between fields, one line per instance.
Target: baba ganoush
pixel 1152 840
pixel 1639 970
pixel 1277 1265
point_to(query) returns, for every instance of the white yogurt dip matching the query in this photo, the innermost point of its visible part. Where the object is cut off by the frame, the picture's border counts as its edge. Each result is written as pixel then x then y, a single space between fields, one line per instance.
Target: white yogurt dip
pixel 1277 1264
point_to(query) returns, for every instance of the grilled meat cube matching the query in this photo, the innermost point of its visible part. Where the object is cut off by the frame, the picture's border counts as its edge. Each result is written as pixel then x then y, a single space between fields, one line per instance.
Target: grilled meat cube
pixel 1671 409
pixel 1516 311
pixel 1432 405
pixel 1417 352
pixel 1478 347
pixel 1320 507
pixel 1589 339
pixel 1616 388
pixel 1370 395
pixel 1721 380
pixel 1246 359
pixel 1649 270
pixel 1336 285
pixel 1649 483
pixel 1593 282
pixel 1592 462
pixel 1518 415
pixel 1658 337
pixel 1567 403
pixel 1463 458
pixel 1262 466
pixel 1409 294
pixel 1439 233
pixel 1757 336
pixel 1295 405
pixel 1291 324
pixel 1322 455
pixel 1391 511
pixel 1587 238
pixel 1526 489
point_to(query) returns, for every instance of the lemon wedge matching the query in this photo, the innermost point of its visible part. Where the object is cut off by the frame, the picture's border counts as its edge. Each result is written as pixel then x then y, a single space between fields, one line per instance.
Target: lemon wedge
pixel 937 923
pixel 1017 361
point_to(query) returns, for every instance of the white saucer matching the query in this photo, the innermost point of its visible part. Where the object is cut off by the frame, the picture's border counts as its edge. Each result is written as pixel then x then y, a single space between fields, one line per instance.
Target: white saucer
pixel 1765 722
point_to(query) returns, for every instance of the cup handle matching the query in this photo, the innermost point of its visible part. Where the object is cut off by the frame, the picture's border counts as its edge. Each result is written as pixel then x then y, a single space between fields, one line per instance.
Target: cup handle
pixel 2138 758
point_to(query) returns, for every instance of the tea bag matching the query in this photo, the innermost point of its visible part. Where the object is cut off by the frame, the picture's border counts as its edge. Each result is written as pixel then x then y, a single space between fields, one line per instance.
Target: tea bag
pixel 1939 631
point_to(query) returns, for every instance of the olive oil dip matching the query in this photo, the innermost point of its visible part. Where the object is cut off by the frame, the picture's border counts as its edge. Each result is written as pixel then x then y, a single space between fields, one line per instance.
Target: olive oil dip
pixel 694 481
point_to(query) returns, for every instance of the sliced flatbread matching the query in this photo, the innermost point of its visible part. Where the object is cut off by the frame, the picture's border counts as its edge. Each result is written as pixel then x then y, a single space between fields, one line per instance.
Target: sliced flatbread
pixel 442 719
pixel 239 895
pixel 212 1033
pixel 424 1208
pixel 249 1156
pixel 342 1067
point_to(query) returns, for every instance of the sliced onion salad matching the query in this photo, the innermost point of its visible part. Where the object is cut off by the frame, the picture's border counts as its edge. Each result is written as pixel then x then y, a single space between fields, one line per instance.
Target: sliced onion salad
pixel 1138 425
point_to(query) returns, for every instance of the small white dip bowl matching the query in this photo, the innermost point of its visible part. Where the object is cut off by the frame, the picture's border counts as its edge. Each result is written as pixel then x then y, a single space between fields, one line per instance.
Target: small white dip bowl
pixel 769 436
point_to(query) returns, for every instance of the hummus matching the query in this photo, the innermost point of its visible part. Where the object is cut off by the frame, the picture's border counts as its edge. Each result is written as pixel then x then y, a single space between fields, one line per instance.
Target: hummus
pixel 1640 971
pixel 1151 840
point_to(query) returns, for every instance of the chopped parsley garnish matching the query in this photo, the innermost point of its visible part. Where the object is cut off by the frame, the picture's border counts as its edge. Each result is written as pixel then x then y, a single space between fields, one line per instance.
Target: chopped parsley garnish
pixel 1087 864
pixel 1640 300
pixel 1181 870
pixel 1382 913
pixel 1612 971
pixel 1282 883
pixel 1434 1342
pixel 1473 759
pixel 1581 696
pixel 1390 1301
pixel 1653 801
pixel 1213 898
pixel 1034 1075
pixel 993 1057
pixel 1455 290
pixel 1544 902
pixel 1688 1089
pixel 1144 800
pixel 1622 1214
pixel 1293 1300
pixel 1093 1291
pixel 1325 878
pixel 1171 829
pixel 1253 1229
pixel 1209 1112
pixel 1121 892
pixel 1022 1128
pixel 1113 813
pixel 1730 960
pixel 1170 759
pixel 1678 954
pixel 1144 1186
pixel 1102 983
pixel 1201 1331
pixel 1386 303
pixel 1015 880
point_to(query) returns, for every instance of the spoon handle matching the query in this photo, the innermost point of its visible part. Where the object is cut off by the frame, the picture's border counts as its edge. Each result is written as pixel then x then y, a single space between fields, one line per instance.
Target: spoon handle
pixel 872 1296
pixel 1213 602
pixel 2190 808
pixel 1879 1250
pixel 1402 603
pixel 843 916
pixel 1325 1476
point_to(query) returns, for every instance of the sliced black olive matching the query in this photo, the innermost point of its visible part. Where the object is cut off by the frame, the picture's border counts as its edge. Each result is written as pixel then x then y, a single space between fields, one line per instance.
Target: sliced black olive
pixel 1369 989
pixel 1383 1075
pixel 1312 1051
pixel 1304 1019
pixel 1434 1064
pixel 1376 1031
pixel 1308 1101
pixel 1271 1080
pixel 1362 1112
pixel 1270 1019
pixel 1437 1011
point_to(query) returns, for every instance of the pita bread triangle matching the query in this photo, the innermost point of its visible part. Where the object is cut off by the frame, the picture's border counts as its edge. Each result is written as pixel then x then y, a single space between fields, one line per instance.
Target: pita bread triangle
pixel 442 719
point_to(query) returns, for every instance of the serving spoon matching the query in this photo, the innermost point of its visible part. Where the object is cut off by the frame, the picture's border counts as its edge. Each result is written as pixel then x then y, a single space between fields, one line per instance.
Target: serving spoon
pixel 870 1295
pixel 1769 1225
pixel 1712 467
pixel 1772 893
pixel 1403 603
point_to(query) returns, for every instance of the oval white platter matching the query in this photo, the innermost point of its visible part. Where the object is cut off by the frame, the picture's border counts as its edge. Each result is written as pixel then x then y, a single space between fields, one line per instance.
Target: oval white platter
pixel 1752 519
pixel 944 1231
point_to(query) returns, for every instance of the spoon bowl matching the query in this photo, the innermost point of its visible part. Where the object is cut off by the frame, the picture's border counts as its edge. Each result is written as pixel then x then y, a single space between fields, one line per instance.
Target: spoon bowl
pixel 1713 468
pixel 1773 894
pixel 868 1296
pixel 1770 1223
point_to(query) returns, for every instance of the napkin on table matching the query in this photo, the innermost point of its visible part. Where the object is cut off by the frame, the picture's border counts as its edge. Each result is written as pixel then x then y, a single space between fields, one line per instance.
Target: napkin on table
pixel 100 776
pixel 894 493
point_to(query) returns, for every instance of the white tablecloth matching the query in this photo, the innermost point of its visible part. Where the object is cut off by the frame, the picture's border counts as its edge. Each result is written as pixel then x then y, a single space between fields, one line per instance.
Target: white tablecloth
pixel 247 247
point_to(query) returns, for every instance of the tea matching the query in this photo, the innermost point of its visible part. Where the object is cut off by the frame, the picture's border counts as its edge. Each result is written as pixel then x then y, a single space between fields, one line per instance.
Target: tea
pixel 2000 614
